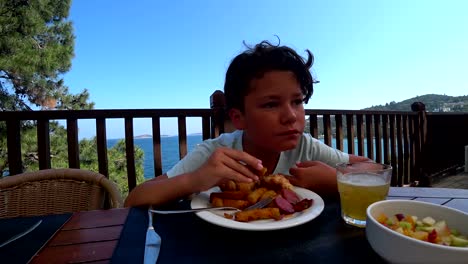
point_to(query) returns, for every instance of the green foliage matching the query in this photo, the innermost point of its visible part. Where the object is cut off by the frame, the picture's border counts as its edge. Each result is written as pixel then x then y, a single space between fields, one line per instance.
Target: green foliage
pixel 117 162
pixel 433 103
pixel 36 48
pixel 88 155
pixel 118 166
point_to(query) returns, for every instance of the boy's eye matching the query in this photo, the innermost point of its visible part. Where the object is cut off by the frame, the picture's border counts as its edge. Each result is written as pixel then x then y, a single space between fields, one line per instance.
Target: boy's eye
pixel 270 105
pixel 298 101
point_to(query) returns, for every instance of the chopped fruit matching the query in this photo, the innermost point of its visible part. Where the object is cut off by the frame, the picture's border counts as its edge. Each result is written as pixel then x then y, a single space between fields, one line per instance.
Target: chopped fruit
pixel 432 236
pixel 400 217
pixel 427 229
pixel 458 241
pixel 420 235
pixel 405 225
pixel 382 218
pixel 428 221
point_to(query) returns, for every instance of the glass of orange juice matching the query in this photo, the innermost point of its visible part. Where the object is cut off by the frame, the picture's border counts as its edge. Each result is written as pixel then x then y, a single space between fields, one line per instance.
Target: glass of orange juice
pixel 361 184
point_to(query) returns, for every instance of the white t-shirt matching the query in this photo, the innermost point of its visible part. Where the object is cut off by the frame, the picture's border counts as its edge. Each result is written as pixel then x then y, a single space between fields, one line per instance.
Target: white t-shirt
pixel 307 149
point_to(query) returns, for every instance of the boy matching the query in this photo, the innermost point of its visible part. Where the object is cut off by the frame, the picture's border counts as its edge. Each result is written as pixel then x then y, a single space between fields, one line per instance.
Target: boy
pixel 265 90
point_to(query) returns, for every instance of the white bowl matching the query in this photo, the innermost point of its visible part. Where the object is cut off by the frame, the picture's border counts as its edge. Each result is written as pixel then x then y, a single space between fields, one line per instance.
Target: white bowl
pixel 397 248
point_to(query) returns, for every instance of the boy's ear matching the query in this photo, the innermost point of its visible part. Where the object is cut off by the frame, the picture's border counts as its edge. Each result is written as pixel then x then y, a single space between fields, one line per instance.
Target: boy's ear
pixel 237 118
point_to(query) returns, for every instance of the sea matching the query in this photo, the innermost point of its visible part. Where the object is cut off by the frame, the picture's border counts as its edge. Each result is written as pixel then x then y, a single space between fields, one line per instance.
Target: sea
pixel 170 150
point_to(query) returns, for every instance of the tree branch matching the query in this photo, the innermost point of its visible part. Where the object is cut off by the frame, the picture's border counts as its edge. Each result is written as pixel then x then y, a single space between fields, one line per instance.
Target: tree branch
pixel 37 43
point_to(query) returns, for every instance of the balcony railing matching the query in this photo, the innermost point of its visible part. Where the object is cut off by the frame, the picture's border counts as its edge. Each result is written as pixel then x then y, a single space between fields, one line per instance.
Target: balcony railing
pixel 396 138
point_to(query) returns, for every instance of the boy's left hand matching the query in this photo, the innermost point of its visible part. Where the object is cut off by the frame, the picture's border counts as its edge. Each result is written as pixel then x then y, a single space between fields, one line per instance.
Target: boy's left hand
pixel 314 175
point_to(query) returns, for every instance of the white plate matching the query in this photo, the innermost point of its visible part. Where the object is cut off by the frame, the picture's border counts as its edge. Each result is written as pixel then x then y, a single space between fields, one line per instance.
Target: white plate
pixel 217 218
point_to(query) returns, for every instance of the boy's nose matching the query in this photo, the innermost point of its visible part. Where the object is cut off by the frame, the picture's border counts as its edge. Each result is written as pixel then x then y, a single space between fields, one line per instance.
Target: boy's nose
pixel 288 114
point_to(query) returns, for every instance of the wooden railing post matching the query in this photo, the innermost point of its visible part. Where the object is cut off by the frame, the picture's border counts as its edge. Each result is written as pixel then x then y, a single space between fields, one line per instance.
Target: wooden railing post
pixel 218 104
pixel 15 163
pixel 420 132
pixel 43 144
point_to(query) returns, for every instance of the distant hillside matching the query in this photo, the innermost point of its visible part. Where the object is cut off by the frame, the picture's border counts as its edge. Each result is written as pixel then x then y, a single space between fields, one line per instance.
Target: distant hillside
pixel 433 102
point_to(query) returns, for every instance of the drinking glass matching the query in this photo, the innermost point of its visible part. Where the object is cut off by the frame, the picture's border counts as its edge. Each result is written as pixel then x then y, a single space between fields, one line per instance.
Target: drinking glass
pixel 361 184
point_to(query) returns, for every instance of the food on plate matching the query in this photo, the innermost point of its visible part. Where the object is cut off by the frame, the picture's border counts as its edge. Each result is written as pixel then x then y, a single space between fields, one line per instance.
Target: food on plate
pixel 290 195
pixel 284 205
pixel 258 214
pixel 241 195
pixel 243 186
pixel 235 195
pixel 302 205
pixel 425 229
pixel 276 181
pixel 256 194
pixel 239 204
pixel 268 194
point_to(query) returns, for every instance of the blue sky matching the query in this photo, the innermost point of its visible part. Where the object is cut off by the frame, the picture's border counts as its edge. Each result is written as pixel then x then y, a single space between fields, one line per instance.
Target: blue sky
pixel 174 54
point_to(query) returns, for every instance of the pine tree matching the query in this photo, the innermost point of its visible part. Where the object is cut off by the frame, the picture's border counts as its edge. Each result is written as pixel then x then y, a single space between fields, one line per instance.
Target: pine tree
pixel 36 49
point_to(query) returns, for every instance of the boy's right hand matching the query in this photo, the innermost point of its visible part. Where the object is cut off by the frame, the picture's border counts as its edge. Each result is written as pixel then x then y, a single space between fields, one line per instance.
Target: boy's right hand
pixel 225 164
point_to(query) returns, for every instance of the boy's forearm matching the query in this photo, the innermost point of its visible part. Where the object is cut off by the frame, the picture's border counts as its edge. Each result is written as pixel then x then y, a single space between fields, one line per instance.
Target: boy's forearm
pixel 161 191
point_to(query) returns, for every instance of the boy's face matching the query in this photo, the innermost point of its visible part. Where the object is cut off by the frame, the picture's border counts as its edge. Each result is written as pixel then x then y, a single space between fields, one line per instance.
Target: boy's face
pixel 273 117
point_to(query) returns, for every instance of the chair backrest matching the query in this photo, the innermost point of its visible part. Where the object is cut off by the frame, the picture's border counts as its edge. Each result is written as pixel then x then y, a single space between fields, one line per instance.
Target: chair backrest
pixel 56 191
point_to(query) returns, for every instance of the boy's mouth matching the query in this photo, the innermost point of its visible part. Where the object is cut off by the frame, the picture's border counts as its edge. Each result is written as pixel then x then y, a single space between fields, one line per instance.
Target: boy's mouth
pixel 289 132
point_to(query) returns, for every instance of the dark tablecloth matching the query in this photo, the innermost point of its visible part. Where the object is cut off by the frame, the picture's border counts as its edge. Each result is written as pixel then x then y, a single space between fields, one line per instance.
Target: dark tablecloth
pixel 24 248
pixel 188 239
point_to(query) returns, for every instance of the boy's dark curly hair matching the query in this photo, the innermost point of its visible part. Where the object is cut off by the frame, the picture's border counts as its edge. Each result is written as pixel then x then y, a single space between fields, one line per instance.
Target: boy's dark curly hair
pixel 255 62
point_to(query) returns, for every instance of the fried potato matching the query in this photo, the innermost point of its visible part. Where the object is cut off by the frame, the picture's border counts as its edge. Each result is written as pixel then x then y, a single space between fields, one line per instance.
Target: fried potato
pixel 268 194
pixel 246 187
pixel 277 182
pixel 217 202
pixel 259 173
pixel 239 204
pixel 228 216
pixel 228 186
pixel 242 195
pixel 234 195
pixel 254 196
pixel 257 214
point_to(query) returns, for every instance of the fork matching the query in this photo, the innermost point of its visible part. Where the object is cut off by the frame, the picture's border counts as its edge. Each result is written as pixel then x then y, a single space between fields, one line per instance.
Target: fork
pixel 260 204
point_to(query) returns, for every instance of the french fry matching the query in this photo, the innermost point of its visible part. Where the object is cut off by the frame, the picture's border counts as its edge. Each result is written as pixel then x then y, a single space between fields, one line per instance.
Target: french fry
pixel 217 202
pixel 276 182
pixel 254 196
pixel 233 195
pixel 268 194
pixel 228 186
pixel 246 187
pixel 239 204
pixel 257 214
pixel 259 173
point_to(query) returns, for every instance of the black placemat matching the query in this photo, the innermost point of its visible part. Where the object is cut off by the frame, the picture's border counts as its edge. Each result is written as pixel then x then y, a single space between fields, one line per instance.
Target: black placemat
pixel 131 245
pixel 24 248
pixel 188 239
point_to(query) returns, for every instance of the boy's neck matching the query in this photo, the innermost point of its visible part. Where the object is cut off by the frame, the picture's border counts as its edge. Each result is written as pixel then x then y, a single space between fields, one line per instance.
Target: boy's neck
pixel 269 159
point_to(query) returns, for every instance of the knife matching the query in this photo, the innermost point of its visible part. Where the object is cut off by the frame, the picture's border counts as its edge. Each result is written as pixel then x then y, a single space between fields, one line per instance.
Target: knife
pixel 153 242
pixel 20 235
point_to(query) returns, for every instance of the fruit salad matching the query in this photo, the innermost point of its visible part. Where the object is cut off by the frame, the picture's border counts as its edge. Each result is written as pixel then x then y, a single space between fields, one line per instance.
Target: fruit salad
pixel 425 229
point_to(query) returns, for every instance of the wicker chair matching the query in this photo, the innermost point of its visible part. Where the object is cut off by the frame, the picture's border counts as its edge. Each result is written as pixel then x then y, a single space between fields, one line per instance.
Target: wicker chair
pixel 56 191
